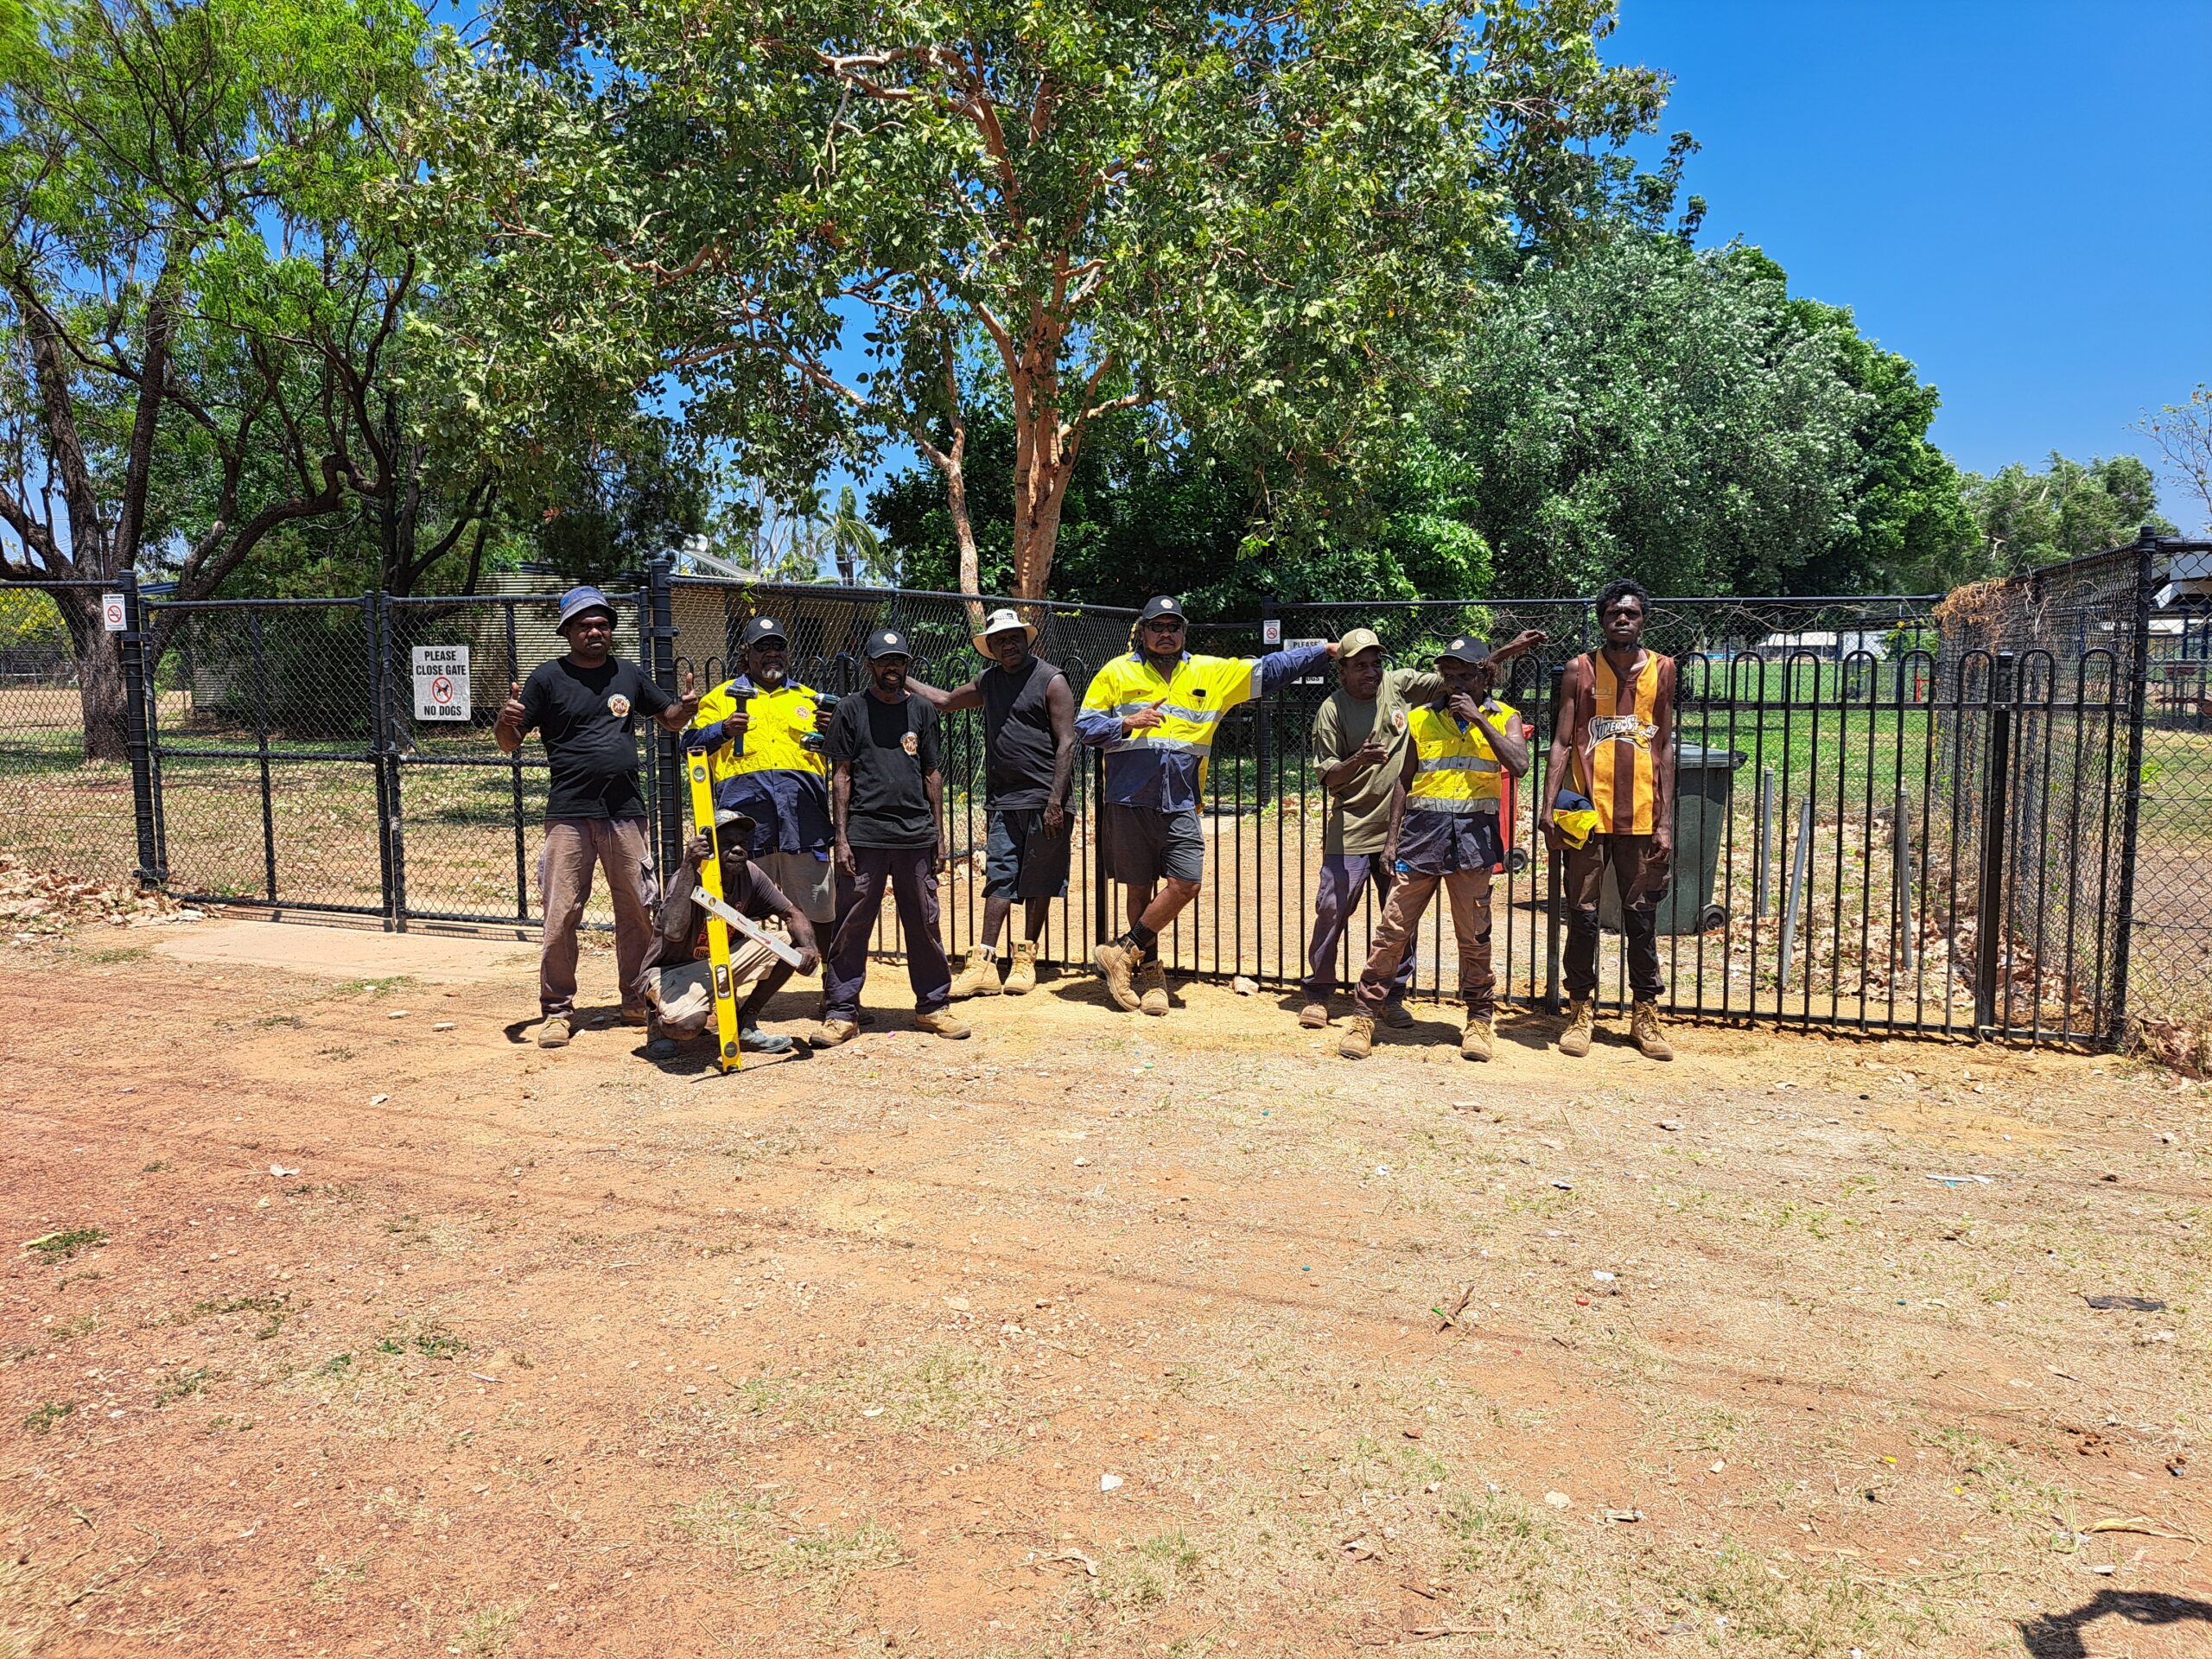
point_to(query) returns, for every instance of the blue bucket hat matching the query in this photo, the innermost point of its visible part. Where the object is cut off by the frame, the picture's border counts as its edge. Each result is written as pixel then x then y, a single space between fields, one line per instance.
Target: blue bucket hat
pixel 576 602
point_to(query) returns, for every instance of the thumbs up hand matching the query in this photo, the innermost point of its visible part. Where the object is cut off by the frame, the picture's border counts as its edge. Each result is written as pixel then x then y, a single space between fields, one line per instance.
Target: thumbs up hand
pixel 511 713
pixel 688 704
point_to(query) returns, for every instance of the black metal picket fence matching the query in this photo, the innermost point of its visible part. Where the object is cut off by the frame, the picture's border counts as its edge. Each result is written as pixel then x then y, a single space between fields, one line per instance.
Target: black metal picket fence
pixel 1967 817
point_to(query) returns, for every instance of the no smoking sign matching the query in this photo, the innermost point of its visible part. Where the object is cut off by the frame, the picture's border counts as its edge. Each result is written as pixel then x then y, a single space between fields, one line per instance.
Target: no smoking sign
pixel 441 682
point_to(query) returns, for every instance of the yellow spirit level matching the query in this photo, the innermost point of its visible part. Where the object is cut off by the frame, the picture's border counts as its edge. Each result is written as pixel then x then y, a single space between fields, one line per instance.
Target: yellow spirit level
pixel 710 882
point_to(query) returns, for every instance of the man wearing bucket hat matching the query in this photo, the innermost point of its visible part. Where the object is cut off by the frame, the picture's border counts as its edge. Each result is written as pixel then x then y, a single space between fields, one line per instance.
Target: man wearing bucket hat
pixel 759 728
pixel 584 706
pixel 1359 749
pixel 1029 760
pixel 681 986
pixel 1155 712
pixel 887 798
pixel 1613 743
pixel 1460 748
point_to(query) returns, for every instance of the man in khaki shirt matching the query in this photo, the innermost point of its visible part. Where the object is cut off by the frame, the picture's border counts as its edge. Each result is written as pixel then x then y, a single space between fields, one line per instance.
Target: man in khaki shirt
pixel 1359 747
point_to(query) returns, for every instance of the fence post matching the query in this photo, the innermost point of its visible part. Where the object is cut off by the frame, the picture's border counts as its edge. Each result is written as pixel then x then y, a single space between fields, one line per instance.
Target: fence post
pixel 2138 677
pixel 382 750
pixel 1102 889
pixel 1264 722
pixel 1989 897
pixel 668 746
pixel 136 690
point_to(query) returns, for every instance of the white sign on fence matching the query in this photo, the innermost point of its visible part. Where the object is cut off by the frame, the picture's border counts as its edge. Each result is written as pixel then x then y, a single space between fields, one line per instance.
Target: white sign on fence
pixel 441 682
pixel 114 617
pixel 1271 630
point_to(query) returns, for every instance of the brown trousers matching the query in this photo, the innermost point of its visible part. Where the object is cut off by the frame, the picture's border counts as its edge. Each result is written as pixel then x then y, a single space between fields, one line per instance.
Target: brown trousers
pixel 1639 879
pixel 623 848
pixel 1402 914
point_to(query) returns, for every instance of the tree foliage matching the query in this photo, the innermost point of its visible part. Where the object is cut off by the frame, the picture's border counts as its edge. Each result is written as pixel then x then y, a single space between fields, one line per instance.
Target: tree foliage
pixel 2067 510
pixel 1254 222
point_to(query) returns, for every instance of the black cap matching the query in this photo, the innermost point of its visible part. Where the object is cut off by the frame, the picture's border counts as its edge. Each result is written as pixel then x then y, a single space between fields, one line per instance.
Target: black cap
pixel 1162 605
pixel 759 628
pixel 1464 650
pixel 888 642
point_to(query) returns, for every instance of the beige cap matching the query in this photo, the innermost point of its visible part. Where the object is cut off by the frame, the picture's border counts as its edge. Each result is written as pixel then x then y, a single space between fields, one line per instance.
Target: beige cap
pixel 1358 640
pixel 1003 621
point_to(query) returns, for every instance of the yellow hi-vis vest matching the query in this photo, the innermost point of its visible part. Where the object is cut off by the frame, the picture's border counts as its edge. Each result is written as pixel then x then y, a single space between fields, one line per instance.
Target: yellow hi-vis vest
pixel 775 722
pixel 1197 695
pixel 1455 771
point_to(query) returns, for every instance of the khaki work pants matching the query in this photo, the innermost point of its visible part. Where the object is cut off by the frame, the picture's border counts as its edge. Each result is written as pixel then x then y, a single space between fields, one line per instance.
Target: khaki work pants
pixel 621 848
pixel 1409 902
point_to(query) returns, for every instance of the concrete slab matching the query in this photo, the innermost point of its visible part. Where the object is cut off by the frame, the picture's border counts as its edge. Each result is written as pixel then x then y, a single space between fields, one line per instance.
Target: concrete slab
pixel 353 953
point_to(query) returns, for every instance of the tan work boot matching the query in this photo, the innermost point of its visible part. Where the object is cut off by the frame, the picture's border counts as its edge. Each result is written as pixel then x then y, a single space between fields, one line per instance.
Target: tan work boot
pixel 637 1014
pixel 1396 1016
pixel 553 1032
pixel 1117 965
pixel 1581 1025
pixel 1152 980
pixel 1358 1040
pixel 1478 1041
pixel 1314 1016
pixel 1643 1027
pixel 941 1022
pixel 1021 976
pixel 980 977
pixel 830 1033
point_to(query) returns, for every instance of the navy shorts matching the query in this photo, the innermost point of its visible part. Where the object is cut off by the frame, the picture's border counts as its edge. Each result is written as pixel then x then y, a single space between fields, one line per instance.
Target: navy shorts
pixel 1020 861
pixel 1141 844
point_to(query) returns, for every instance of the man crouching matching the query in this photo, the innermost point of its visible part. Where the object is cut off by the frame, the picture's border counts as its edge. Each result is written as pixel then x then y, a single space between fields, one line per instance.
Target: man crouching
pixel 680 984
pixel 1459 749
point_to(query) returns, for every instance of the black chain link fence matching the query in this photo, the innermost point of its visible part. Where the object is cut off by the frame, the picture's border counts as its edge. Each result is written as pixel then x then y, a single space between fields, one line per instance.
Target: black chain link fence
pixel 1863 777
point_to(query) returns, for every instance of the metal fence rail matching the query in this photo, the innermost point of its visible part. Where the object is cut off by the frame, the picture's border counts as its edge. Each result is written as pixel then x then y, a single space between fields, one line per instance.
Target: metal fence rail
pixel 1971 816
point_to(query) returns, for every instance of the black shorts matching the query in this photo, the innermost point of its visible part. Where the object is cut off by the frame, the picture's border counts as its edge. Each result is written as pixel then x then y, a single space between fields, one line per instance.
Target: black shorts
pixel 1141 844
pixel 1020 861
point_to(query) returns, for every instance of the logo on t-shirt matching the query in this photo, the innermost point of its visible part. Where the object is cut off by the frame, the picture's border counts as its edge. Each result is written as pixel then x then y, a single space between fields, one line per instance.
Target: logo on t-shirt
pixel 619 706
pixel 1605 728
pixel 912 743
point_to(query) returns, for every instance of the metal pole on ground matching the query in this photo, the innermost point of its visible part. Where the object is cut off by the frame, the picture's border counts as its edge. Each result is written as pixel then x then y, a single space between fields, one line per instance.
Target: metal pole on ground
pixel 1763 860
pixel 1799 866
pixel 1901 842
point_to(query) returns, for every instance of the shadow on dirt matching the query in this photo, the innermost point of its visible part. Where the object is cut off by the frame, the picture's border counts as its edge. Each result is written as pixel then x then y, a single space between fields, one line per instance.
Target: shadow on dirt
pixel 2059 1636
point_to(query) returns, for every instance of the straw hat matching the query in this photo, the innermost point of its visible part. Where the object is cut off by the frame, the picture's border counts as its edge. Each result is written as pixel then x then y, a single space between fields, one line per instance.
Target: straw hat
pixel 1002 620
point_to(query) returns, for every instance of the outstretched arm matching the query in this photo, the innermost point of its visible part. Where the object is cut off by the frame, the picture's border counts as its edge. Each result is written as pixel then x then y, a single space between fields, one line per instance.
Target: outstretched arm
pixel 970 696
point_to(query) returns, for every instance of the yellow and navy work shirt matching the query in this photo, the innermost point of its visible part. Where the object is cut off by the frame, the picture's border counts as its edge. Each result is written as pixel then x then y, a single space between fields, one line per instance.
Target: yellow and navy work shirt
pixel 1452 819
pixel 767 773
pixel 1616 762
pixel 1165 767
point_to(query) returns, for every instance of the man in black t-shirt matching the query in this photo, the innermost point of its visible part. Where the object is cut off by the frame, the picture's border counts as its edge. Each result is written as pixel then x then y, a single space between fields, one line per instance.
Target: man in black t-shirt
pixel 585 707
pixel 1029 762
pixel 886 801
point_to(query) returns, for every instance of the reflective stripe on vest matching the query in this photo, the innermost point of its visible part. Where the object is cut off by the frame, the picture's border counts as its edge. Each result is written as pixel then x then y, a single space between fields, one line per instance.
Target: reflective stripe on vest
pixel 1455 771
pixel 775 721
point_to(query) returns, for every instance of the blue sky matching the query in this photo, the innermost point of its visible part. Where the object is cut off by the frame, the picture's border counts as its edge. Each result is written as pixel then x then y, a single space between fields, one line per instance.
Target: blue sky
pixel 2018 196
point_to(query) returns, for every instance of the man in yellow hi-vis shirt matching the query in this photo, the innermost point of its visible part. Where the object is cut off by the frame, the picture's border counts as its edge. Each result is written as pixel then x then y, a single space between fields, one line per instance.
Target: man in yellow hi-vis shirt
pixel 768 763
pixel 1155 712
pixel 1459 751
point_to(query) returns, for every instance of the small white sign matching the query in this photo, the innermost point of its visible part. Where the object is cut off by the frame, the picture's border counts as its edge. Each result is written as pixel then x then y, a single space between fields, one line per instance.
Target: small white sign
pixel 441 682
pixel 1271 630
pixel 114 616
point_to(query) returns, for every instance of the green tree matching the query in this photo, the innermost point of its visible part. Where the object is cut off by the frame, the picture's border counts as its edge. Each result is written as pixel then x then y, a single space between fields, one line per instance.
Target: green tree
pixel 1256 220
pixel 1145 512
pixel 196 295
pixel 1650 409
pixel 2067 510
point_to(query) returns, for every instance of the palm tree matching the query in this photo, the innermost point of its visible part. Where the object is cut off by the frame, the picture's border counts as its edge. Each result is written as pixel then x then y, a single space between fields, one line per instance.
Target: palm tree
pixel 854 545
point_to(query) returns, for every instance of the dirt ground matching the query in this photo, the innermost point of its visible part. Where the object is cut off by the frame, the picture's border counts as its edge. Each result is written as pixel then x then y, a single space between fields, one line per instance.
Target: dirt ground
pixel 337 1320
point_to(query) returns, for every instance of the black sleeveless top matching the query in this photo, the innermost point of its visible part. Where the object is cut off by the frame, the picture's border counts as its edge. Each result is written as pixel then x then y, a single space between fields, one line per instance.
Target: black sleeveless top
pixel 1018 736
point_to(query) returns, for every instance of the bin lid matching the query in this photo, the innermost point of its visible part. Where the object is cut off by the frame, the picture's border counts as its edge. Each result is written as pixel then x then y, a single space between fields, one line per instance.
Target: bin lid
pixel 1690 757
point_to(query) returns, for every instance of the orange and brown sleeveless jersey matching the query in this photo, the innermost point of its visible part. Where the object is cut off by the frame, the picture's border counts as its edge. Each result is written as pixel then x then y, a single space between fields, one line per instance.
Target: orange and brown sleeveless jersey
pixel 1616 763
